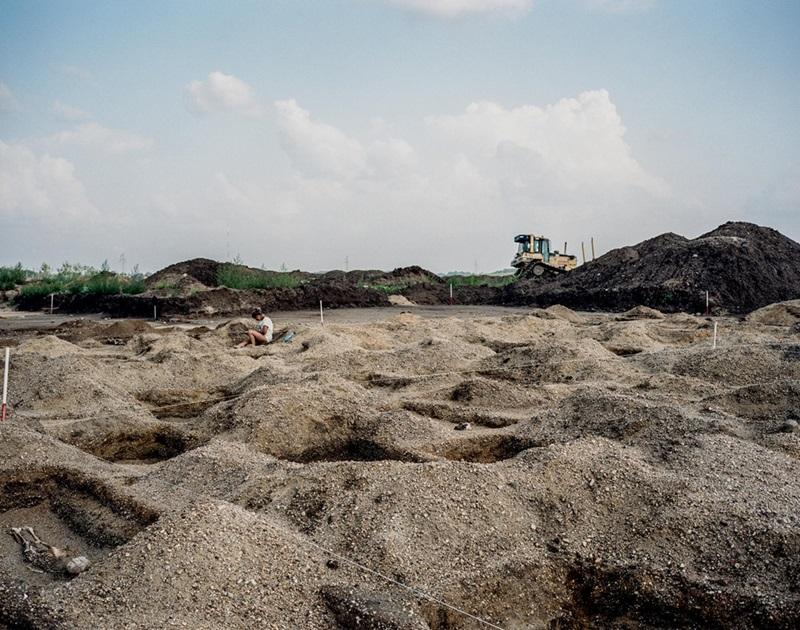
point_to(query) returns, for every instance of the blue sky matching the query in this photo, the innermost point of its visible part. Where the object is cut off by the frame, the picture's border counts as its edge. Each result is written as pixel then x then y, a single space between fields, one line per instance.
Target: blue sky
pixel 392 132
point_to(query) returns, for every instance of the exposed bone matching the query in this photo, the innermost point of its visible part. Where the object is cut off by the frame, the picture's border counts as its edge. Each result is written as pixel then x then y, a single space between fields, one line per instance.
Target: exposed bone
pixel 47 556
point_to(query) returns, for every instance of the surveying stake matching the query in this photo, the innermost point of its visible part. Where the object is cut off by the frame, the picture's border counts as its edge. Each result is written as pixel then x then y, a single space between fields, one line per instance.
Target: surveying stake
pixel 5 387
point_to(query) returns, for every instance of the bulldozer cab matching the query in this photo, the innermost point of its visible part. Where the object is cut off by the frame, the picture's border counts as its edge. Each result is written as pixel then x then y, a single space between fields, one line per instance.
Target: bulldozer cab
pixel 532 244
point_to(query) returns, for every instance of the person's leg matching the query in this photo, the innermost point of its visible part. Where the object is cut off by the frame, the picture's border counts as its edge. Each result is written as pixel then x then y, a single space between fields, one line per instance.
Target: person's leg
pixel 257 337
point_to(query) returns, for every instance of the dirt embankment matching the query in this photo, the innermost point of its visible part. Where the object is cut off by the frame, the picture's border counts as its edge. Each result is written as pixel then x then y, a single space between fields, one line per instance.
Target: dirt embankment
pixel 743 267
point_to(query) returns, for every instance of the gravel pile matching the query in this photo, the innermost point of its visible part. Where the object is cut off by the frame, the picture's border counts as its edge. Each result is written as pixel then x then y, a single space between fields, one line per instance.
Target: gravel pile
pixel 549 469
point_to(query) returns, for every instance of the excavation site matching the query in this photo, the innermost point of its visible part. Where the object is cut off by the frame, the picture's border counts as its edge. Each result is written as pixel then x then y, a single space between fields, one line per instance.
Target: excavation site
pixel 440 468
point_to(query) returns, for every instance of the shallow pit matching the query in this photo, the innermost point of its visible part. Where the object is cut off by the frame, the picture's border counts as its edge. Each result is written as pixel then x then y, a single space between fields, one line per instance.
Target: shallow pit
pixel 355 450
pixel 482 449
pixel 67 510
pixel 148 445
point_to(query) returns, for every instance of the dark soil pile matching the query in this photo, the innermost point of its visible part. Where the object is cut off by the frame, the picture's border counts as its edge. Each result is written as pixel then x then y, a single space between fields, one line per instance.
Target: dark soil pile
pixel 400 277
pixel 219 301
pixel 204 270
pixel 743 267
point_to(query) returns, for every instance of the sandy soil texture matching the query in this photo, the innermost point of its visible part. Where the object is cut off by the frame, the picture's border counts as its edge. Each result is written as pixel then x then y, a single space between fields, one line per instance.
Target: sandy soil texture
pixel 538 469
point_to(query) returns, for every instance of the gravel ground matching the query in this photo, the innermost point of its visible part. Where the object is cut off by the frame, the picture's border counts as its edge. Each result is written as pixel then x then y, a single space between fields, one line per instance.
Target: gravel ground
pixel 444 470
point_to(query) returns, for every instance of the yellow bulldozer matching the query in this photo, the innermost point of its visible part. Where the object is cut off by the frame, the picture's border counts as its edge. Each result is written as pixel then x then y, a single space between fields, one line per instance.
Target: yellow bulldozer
pixel 536 259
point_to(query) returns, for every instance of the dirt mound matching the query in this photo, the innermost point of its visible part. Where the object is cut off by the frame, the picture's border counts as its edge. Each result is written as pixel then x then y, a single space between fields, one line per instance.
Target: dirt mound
pixel 401 276
pixel 780 314
pixel 203 270
pixel 641 312
pixel 742 266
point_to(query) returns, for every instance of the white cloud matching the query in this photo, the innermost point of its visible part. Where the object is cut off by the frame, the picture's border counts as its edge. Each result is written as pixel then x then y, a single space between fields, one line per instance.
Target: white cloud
pixel 95 135
pixel 457 8
pixel 68 113
pixel 317 148
pixel 221 93
pixel 555 168
pixel 43 187
pixel 577 143
pixel 8 102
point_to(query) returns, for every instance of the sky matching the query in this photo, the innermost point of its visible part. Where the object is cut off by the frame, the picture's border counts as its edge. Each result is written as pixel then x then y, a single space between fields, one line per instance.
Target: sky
pixel 320 134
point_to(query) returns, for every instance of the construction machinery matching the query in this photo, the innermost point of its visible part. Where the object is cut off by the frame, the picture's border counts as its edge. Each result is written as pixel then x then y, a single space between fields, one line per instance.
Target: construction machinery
pixel 536 259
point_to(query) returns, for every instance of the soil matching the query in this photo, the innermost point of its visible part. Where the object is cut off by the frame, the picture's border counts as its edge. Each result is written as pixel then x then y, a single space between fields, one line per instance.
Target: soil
pixel 545 469
pixel 743 267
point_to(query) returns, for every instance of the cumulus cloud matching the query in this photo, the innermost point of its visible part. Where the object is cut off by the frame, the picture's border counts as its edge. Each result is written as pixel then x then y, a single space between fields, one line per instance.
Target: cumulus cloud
pixel 551 168
pixel 221 92
pixel 68 113
pixel 39 186
pixel 575 143
pixel 457 8
pixel 95 135
pixel 8 102
pixel 317 148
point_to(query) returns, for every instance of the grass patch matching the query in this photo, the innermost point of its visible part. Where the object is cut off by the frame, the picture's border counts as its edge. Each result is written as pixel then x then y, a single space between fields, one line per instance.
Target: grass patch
pixel 480 281
pixel 236 276
pixel 388 289
pixel 84 281
pixel 10 277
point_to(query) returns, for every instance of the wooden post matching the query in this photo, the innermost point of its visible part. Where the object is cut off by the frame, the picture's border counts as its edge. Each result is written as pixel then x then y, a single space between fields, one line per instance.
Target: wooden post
pixel 451 294
pixel 715 335
pixel 593 248
pixel 565 247
pixel 321 317
pixel 51 303
pixel 5 387
pixel 583 253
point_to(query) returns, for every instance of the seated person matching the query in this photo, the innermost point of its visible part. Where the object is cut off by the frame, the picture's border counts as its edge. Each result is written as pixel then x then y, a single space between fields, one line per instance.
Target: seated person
pixel 263 332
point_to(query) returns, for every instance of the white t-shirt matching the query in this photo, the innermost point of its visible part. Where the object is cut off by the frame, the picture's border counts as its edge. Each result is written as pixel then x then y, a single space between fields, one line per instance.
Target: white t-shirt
pixel 265 327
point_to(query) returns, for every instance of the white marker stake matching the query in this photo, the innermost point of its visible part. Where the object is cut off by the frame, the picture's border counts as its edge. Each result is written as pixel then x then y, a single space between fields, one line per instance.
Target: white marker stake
pixel 51 303
pixel 706 302
pixel 321 318
pixel 451 293
pixel 5 387
pixel 715 334
pixel 155 312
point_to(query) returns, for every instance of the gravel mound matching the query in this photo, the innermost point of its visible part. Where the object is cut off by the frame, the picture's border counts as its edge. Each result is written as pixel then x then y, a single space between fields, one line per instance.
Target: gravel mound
pixel 544 470
pixel 780 314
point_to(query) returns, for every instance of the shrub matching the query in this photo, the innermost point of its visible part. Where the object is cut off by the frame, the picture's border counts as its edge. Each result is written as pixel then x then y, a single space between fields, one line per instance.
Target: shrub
pixel 42 288
pixel 10 277
pixel 236 276
pixel 103 283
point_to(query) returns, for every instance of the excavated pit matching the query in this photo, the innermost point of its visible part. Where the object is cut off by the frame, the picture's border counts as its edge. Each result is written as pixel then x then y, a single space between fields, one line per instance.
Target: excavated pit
pixel 355 450
pixel 180 403
pixel 148 445
pixel 67 510
pixel 483 449
pixel 453 413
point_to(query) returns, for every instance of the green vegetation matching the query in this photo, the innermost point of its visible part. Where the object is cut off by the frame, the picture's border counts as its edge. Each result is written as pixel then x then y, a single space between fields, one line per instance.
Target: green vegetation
pixel 480 281
pixel 388 289
pixel 10 277
pixel 456 280
pixel 236 276
pixel 79 279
